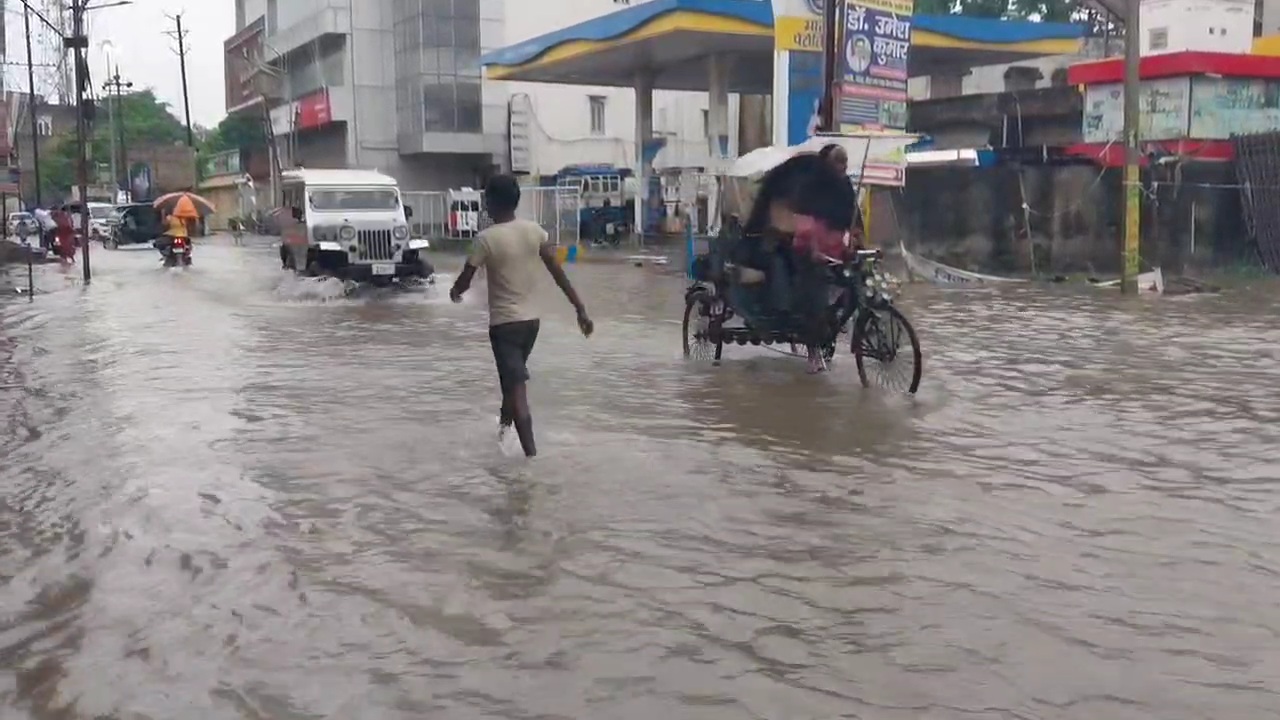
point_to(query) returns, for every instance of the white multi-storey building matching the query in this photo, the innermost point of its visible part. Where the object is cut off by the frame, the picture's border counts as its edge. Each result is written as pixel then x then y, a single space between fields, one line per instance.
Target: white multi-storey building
pixel 397 85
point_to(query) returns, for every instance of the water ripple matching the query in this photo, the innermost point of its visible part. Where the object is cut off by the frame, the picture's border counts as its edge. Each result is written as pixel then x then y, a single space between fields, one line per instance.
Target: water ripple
pixel 229 493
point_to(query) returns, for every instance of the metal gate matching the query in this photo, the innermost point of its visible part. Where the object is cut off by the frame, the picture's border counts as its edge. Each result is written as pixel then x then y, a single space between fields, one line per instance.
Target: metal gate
pixel 1258 173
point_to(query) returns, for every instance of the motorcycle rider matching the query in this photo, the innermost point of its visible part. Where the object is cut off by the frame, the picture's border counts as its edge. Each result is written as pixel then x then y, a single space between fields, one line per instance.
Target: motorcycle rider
pixel 175 228
pixel 45 225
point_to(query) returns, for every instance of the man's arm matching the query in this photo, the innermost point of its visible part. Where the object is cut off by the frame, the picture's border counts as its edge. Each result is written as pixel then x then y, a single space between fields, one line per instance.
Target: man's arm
pixel 463 283
pixel 548 254
pixel 475 261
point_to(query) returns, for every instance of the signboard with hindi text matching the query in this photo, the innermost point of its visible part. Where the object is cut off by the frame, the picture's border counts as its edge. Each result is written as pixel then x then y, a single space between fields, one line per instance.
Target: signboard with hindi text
pixel 876 44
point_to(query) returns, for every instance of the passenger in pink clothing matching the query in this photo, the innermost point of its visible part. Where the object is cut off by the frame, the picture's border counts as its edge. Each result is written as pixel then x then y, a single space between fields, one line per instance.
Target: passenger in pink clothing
pixel 819 241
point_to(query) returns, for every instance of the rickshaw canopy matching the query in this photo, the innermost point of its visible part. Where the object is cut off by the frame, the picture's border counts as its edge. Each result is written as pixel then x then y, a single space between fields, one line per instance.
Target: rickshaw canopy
pixel 878 159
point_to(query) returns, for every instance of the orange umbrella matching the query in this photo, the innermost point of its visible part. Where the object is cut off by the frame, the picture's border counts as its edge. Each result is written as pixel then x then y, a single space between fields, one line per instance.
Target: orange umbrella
pixel 184 205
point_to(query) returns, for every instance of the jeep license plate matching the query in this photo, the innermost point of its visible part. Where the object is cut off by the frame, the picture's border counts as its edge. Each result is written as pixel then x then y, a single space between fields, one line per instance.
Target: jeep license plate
pixel 384 269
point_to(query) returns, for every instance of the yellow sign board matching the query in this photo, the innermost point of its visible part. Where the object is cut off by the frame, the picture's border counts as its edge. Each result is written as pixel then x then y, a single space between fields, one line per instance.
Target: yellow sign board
pixel 798 34
pixel 897 7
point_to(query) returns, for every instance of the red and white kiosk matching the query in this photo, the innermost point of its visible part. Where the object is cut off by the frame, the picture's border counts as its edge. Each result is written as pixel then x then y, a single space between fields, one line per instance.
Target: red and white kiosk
pixel 1200 85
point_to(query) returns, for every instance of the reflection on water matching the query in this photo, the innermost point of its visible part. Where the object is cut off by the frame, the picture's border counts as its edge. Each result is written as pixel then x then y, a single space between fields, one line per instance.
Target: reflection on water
pixel 228 494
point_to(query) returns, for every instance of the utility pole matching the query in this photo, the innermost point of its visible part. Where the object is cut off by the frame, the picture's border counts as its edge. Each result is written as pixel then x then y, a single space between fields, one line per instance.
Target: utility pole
pixel 78 42
pixel 828 118
pixel 181 36
pixel 115 87
pixel 1133 152
pixel 31 102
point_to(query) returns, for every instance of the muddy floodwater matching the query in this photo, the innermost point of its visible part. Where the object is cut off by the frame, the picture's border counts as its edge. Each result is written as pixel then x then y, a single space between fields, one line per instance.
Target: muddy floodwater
pixel 226 493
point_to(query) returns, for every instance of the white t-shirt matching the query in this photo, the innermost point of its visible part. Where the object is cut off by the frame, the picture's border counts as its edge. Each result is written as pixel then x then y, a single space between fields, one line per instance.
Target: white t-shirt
pixel 45 218
pixel 510 254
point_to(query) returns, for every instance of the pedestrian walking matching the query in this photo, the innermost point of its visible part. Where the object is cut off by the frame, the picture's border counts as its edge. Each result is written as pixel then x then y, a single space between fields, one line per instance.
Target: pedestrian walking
pixel 513 253
pixel 64 236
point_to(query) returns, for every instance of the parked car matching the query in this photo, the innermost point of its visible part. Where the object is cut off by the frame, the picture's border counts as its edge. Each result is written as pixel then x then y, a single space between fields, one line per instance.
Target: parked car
pixel 20 218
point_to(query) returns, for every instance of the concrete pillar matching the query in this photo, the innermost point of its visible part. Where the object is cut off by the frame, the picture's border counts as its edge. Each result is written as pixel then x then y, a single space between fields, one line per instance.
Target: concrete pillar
pixel 754 118
pixel 644 134
pixel 718 108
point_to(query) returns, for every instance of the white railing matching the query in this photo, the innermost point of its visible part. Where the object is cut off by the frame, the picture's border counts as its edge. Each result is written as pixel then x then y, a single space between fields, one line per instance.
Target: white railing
pixel 556 209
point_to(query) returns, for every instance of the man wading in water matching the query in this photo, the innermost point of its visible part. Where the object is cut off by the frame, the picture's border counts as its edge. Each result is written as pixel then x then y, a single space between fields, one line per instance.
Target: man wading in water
pixel 512 252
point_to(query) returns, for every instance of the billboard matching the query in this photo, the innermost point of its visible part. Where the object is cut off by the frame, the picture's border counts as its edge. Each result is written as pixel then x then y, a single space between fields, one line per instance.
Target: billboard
pixel 242 54
pixel 306 113
pixel 804 95
pixel 875 43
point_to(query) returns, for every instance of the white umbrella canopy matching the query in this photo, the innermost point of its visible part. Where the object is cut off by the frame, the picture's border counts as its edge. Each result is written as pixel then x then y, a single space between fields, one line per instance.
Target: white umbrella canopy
pixel 878 145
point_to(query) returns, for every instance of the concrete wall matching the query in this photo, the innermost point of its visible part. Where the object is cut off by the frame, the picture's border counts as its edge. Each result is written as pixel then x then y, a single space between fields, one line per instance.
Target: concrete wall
pixel 173 167
pixel 1047 116
pixel 991 78
pixel 973 218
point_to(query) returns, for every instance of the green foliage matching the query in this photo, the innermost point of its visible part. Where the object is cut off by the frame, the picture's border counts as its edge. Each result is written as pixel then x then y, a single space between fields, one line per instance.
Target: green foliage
pixel 235 132
pixel 1048 10
pixel 1042 10
pixel 145 120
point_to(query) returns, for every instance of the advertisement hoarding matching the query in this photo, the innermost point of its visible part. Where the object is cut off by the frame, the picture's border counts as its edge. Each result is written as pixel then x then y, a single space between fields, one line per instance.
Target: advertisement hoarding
pixel 875 44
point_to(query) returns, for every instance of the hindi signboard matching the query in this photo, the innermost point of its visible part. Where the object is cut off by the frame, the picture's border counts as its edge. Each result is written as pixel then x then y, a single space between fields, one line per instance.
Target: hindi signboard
pixel 876 44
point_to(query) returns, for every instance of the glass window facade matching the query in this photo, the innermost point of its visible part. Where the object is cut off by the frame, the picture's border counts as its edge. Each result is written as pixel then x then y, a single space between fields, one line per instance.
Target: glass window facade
pixel 317 65
pixel 438 66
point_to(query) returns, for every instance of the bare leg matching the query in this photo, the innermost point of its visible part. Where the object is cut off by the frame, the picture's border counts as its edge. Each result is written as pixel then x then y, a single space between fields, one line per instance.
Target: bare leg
pixel 522 419
pixel 507 416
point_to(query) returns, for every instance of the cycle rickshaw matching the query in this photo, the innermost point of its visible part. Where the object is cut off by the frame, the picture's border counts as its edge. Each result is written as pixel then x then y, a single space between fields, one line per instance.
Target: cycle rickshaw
pixel 859 310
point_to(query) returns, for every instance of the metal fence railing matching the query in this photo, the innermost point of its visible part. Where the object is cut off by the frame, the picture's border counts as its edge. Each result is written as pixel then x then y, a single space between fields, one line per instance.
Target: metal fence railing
pixel 430 214
pixel 440 216
pixel 557 209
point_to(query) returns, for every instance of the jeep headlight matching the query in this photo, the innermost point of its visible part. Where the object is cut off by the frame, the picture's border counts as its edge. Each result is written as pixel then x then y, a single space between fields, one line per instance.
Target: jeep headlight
pixel 401 232
pixel 347 232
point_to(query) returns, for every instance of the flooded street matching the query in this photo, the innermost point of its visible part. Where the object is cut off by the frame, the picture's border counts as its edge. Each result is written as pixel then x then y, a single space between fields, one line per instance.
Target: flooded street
pixel 226 495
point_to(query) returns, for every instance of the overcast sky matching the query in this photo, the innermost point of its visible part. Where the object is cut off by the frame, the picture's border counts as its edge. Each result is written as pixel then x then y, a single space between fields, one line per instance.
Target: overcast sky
pixel 143 50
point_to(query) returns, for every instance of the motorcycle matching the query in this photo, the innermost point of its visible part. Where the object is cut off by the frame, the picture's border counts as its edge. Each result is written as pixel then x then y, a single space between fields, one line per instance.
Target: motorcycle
pixel 178 254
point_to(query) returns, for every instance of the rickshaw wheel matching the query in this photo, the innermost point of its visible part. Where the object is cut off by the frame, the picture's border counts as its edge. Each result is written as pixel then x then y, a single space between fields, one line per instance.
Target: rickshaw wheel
pixel 887 350
pixel 696 328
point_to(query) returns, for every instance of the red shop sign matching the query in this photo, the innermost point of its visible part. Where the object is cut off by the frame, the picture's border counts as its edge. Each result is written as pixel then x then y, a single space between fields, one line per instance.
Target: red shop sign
pixel 314 111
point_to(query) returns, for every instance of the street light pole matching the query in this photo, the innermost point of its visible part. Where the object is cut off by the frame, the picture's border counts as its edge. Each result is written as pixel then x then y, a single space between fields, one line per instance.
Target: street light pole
pixel 78 43
pixel 115 87
pixel 830 62
pixel 1132 150
pixel 31 102
pixel 111 121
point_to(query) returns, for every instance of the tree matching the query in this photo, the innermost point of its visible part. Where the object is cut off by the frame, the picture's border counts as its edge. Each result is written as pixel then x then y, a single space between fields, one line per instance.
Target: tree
pixel 1040 10
pixel 236 132
pixel 145 120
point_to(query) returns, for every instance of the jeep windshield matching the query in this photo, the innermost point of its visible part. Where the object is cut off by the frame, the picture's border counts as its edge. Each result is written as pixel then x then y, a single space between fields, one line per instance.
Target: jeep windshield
pixel 371 200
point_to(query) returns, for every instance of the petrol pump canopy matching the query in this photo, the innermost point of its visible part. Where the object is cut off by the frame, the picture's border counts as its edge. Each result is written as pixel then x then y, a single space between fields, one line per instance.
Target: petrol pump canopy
pixel 668 38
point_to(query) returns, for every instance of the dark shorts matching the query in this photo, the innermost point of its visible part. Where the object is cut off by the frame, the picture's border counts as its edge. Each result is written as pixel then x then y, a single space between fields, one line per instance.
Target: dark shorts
pixel 512 344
